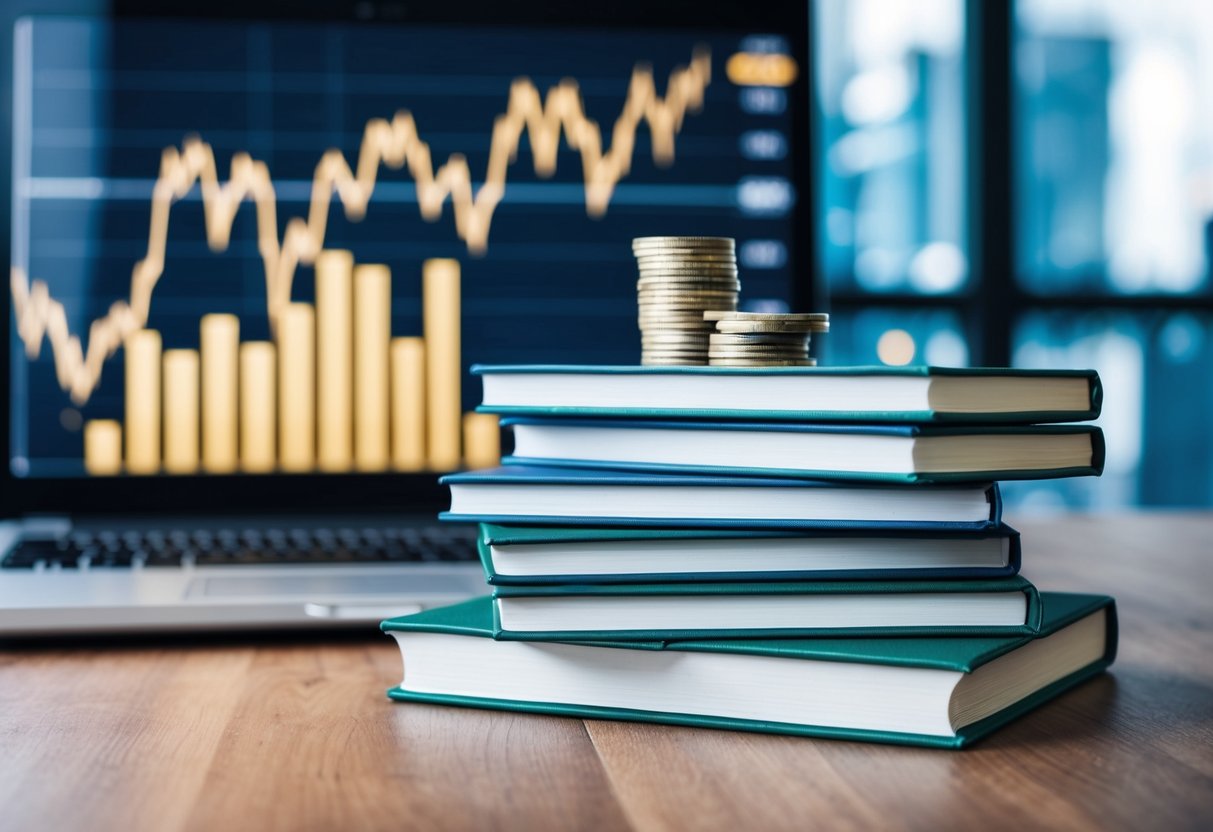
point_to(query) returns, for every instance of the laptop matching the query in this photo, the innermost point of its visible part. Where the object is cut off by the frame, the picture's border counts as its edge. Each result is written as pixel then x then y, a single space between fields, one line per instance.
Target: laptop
pixel 253 255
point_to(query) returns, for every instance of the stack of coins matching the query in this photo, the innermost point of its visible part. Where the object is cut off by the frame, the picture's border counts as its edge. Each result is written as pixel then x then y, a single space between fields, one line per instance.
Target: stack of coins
pixel 680 279
pixel 756 339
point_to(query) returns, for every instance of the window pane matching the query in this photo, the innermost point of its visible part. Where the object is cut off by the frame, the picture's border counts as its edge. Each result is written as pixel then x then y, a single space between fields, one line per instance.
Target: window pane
pixel 890 85
pixel 1115 145
pixel 895 337
pixel 1157 404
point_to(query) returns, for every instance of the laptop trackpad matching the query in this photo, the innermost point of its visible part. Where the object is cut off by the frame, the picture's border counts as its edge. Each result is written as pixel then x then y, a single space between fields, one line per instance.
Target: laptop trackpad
pixel 325 586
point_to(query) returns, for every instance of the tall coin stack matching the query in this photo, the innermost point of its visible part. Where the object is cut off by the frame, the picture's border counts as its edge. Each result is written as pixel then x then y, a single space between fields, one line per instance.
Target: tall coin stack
pixel 680 279
pixel 758 339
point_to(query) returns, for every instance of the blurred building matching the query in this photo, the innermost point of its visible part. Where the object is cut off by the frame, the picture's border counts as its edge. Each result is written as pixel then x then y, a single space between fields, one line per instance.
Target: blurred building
pixel 1094 118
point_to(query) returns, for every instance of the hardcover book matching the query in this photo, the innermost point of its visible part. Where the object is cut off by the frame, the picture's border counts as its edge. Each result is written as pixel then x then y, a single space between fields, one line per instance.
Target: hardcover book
pixel 590 555
pixel 889 453
pixel 575 496
pixel 802 394
pixel 940 692
pixel 778 609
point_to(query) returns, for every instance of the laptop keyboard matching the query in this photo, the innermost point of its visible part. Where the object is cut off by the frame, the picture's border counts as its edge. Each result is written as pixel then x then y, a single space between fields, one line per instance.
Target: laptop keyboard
pixel 237 547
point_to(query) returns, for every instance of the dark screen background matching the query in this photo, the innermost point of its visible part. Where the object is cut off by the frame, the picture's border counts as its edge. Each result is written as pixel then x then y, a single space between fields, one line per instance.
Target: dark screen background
pixel 104 98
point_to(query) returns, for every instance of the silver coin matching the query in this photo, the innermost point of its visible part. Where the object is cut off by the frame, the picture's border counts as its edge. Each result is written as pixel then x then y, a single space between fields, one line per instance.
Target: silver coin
pixel 791 355
pixel 772 338
pixel 663 340
pixel 663 313
pixel 756 327
pixel 666 326
pixel 689 307
pixel 773 317
pixel 682 306
pixel 724 284
pixel 686 261
pixel 705 291
pixel 730 362
pixel 693 242
pixel 760 349
pixel 683 272
pixel 718 294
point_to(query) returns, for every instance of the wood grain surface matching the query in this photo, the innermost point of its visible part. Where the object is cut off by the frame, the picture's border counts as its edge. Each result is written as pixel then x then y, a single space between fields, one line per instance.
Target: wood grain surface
pixel 293 733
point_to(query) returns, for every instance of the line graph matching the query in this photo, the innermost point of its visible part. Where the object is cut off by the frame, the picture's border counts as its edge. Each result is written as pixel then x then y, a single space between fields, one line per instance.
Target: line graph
pixel 393 144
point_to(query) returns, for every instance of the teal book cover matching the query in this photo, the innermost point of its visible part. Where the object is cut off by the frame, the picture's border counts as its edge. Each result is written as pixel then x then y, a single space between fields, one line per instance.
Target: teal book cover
pixel 964 655
pixel 632 440
pixel 676 596
pixel 534 539
pixel 885 404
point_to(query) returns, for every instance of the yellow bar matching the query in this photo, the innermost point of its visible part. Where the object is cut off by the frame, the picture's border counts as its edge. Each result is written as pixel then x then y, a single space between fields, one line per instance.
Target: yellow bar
pixel 102 447
pixel 143 401
pixel 334 397
pixel 180 411
pixel 408 404
pixel 297 388
pixel 372 333
pixel 257 407
pixel 440 308
pixel 481 440
pixel 219 341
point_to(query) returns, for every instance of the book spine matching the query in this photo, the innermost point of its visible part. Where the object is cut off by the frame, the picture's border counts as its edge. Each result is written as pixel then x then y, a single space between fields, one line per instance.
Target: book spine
pixel 1014 552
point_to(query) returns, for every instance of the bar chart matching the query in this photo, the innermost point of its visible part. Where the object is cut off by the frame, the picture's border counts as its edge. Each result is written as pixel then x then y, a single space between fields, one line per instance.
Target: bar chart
pixel 335 393
pixel 277 249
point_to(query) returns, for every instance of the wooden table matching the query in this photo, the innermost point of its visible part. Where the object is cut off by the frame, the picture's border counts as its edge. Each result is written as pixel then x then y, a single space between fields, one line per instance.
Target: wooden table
pixel 297 734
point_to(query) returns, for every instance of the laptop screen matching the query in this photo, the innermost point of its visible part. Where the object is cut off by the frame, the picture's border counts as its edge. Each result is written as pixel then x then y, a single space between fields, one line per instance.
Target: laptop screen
pixel 244 247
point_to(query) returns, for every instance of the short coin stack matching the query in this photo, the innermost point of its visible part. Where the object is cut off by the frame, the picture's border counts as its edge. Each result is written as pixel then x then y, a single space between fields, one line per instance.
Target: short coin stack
pixel 758 339
pixel 680 279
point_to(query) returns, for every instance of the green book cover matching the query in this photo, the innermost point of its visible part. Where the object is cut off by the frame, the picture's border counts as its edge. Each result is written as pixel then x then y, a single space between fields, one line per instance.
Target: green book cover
pixel 474 619
pixel 684 590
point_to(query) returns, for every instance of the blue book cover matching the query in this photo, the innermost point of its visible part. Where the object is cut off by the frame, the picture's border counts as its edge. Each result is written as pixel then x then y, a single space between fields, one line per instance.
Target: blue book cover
pixel 537 495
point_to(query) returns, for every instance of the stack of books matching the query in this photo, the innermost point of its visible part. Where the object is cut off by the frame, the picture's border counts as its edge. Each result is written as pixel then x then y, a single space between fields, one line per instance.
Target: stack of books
pixel 814 552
